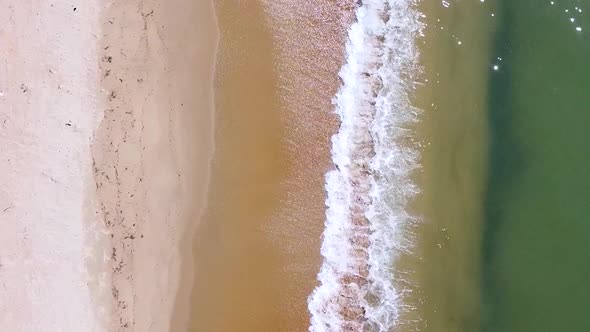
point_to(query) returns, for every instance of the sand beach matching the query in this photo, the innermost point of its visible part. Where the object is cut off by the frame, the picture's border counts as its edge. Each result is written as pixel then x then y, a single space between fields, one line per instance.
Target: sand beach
pixel 106 114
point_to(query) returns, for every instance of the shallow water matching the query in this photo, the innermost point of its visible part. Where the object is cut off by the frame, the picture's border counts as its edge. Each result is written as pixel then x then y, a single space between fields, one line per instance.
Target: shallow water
pixel 453 96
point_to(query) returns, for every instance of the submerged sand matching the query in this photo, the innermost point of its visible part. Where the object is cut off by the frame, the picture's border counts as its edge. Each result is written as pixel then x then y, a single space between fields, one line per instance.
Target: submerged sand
pixel 445 267
pixel 106 127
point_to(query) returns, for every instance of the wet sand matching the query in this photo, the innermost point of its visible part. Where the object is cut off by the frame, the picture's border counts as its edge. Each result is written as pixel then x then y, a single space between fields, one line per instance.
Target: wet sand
pixel 256 250
pixel 309 41
pixel 234 286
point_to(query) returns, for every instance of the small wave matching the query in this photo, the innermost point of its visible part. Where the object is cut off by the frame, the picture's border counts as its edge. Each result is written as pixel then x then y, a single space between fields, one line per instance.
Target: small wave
pixel 368 192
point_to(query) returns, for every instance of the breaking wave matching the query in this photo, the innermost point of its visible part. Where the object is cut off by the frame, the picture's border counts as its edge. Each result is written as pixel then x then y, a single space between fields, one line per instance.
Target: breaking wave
pixel 374 155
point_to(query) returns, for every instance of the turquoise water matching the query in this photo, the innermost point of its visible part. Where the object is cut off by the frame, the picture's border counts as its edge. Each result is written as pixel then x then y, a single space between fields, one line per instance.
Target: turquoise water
pixel 537 237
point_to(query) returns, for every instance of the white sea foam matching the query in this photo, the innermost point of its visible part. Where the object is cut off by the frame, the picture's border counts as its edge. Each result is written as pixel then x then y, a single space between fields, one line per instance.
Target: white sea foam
pixel 368 193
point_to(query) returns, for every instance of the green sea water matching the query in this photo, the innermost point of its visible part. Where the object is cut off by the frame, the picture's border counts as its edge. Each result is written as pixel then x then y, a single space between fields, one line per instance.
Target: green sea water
pixel 536 245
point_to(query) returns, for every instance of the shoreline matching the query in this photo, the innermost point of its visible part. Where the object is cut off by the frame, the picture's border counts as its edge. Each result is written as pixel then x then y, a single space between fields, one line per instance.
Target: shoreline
pixel 182 307
pixel 108 118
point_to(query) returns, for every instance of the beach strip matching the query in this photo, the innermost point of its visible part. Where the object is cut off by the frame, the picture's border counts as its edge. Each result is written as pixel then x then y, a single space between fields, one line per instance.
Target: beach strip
pixel 106 129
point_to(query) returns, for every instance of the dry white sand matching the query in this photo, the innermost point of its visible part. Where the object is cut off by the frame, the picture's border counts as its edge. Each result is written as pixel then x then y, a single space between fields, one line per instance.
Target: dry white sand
pixel 105 137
